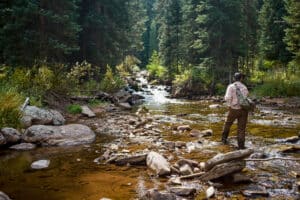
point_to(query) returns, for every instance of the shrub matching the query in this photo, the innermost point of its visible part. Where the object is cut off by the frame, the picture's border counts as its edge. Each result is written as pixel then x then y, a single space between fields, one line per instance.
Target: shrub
pixel 74 109
pixel 156 70
pixel 128 66
pixel 10 103
pixel 111 82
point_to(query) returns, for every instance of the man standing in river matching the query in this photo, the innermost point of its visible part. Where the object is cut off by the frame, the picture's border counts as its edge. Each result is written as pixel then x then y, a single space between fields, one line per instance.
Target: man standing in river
pixel 235 111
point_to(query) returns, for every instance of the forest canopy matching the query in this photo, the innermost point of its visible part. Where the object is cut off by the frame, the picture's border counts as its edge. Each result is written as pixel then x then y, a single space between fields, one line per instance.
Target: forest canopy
pixel 197 45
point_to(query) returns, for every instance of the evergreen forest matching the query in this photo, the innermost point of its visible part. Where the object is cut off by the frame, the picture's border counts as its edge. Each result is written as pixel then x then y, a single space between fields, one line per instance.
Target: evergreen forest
pixel 193 46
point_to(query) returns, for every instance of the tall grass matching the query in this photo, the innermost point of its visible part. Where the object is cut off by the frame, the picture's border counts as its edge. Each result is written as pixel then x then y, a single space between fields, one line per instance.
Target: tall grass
pixel 10 103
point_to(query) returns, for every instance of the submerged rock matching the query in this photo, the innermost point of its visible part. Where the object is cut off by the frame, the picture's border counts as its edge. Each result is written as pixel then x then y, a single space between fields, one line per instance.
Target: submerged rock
pixel 154 194
pixel 23 146
pixel 183 191
pixel 3 196
pixel 67 135
pixel 40 164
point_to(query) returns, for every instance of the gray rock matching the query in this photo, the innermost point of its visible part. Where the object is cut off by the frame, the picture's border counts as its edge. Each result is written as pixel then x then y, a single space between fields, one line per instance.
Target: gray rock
pixel 67 135
pixel 2 140
pixel 158 163
pixel 154 194
pixel 34 115
pixel 11 135
pixel 210 192
pixel 87 111
pixel 125 106
pixel 23 146
pixel 3 196
pixel 40 164
pixel 214 106
pixel 184 128
pixel 183 191
pixel 186 170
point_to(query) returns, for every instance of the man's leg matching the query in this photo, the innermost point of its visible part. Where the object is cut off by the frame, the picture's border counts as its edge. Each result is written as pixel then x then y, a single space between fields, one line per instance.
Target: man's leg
pixel 229 121
pixel 242 122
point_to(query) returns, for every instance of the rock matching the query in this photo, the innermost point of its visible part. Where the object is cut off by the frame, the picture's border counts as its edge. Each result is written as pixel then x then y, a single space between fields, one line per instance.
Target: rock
pixel 184 128
pixel 185 170
pixel 3 196
pixel 23 146
pixel 125 106
pixel 255 193
pixel 214 106
pixel 240 178
pixel 87 111
pixel 154 194
pixel 34 115
pixel 40 164
pixel 104 198
pixel 2 140
pixel 197 133
pixel 157 162
pixel 180 144
pixel 183 191
pixel 210 192
pixel 11 135
pixel 292 139
pixel 67 135
pixel 189 162
pixel 132 160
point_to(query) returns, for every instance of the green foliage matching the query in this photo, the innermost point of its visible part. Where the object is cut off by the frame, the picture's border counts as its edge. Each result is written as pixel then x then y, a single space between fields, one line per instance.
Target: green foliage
pixel 10 103
pixel 156 70
pixel 111 82
pixel 278 85
pixel 292 32
pixel 74 109
pixel 96 102
pixel 128 66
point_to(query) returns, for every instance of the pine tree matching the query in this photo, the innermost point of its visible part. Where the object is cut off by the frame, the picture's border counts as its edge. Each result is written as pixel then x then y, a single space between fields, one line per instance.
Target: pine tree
pixel 219 38
pixel 272 46
pixel 38 31
pixel 169 35
pixel 292 37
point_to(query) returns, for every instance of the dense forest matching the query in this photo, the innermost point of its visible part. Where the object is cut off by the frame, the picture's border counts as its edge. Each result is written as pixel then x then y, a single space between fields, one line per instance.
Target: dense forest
pixel 195 46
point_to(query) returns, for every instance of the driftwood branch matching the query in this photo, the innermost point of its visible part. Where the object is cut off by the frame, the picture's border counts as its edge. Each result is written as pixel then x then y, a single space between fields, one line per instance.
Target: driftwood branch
pixel 275 158
pixel 222 170
pixel 26 102
pixel 191 176
pixel 224 158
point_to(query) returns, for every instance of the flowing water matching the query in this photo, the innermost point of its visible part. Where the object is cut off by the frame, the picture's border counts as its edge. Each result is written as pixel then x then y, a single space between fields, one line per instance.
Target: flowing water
pixel 72 174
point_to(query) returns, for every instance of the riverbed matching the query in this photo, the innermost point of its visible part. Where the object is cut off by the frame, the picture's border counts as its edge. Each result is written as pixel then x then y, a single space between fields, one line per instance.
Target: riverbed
pixel 73 173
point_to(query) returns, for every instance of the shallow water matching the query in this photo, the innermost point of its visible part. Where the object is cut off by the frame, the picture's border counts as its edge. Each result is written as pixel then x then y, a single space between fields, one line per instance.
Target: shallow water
pixel 73 175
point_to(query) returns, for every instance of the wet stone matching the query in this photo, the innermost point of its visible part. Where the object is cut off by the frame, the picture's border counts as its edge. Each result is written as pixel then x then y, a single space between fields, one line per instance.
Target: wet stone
pixel 23 146
pixel 183 191
pixel 40 164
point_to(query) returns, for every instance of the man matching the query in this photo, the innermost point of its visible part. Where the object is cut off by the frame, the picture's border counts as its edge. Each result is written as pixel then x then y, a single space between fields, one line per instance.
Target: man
pixel 235 111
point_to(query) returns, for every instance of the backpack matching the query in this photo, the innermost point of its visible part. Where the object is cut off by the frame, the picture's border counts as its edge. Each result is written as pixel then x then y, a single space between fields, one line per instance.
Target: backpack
pixel 244 102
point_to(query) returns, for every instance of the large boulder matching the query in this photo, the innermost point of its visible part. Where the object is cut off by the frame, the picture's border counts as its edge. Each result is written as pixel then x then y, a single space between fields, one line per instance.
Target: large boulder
pixel 158 163
pixel 33 115
pixel 11 135
pixel 67 135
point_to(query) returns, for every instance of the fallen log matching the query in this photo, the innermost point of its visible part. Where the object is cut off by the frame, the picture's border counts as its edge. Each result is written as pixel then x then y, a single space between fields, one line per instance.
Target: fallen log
pixel 274 158
pixel 222 170
pixel 224 158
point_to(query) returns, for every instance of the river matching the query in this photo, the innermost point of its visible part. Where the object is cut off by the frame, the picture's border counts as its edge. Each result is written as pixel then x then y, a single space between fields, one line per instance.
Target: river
pixel 73 174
